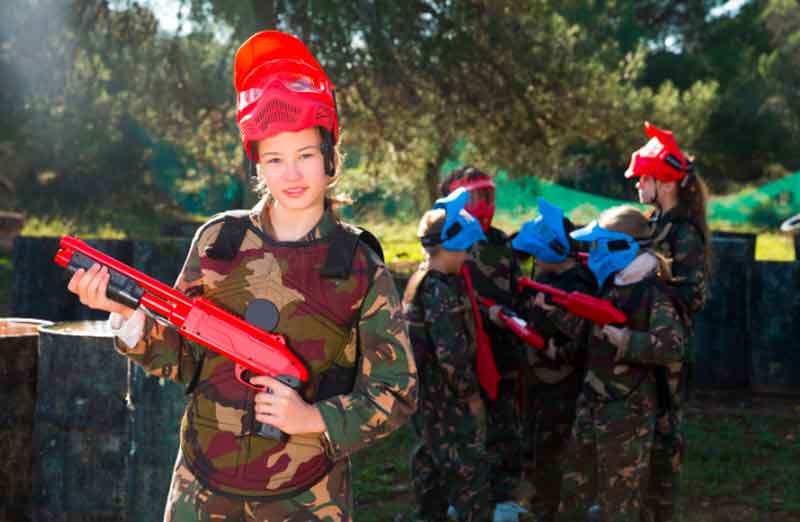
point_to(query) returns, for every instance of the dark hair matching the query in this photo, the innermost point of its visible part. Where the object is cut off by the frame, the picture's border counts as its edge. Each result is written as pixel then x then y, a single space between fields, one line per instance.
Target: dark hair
pixel 465 171
pixel 692 200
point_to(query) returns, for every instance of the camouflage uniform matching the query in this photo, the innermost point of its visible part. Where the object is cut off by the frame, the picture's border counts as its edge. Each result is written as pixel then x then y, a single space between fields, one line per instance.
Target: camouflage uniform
pixel 609 457
pixel 554 388
pixel 449 463
pixel 494 269
pixel 350 333
pixel 683 243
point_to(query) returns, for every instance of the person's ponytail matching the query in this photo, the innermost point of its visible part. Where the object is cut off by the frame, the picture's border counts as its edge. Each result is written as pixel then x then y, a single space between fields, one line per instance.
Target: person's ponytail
pixel 692 204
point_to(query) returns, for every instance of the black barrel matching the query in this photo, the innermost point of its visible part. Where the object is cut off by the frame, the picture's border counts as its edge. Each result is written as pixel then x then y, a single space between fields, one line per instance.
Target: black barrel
pixel 776 328
pixel 105 435
pixel 18 341
pixel 81 433
pixel 721 344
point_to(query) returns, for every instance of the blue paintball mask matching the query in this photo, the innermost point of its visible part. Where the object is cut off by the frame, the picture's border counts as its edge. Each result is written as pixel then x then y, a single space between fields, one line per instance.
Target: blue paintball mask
pixel 610 252
pixel 460 230
pixel 544 237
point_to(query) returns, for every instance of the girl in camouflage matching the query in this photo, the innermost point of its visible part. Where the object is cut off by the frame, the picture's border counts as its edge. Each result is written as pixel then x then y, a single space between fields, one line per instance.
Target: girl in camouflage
pixel 609 458
pixel 668 182
pixel 290 262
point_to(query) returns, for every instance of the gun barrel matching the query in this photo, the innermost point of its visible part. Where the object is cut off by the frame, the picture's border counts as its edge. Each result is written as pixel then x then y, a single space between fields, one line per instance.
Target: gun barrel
pixel 558 296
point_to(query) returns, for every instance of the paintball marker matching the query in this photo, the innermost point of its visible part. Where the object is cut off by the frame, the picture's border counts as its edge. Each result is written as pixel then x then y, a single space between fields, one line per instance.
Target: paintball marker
pixel 589 307
pixel 517 325
pixel 254 350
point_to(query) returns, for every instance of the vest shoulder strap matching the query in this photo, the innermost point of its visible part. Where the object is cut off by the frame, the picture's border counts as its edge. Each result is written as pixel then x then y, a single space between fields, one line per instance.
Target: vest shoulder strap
pixel 231 235
pixel 346 239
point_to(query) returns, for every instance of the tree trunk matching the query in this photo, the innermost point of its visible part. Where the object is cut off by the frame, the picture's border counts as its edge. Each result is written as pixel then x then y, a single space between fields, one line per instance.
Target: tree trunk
pixel 432 171
pixel 265 14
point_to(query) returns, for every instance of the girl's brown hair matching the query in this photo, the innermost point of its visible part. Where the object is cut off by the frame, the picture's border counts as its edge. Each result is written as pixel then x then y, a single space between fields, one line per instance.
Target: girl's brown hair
pixel 630 220
pixel 692 201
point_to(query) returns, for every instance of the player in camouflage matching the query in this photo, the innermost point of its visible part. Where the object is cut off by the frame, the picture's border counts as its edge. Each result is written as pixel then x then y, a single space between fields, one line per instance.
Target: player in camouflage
pixel 557 374
pixel 494 270
pixel 449 462
pixel 609 456
pixel 339 313
pixel 667 181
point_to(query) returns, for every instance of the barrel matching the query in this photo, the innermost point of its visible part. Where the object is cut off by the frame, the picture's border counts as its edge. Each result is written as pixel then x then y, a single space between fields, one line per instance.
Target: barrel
pixel 776 327
pixel 721 344
pixel 105 435
pixel 18 341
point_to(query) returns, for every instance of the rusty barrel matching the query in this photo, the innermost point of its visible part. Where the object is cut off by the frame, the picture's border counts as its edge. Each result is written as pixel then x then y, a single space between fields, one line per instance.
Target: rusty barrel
pixel 105 435
pixel 18 341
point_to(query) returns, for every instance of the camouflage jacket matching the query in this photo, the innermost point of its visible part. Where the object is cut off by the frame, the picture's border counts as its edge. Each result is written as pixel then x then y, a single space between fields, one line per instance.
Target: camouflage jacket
pixel 495 269
pixel 657 336
pixel 439 316
pixel 571 344
pixel 349 332
pixel 684 244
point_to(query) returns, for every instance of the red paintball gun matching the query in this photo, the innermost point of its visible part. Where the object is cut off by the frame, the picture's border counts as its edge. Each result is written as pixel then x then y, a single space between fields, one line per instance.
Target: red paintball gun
pixel 597 310
pixel 516 324
pixel 254 350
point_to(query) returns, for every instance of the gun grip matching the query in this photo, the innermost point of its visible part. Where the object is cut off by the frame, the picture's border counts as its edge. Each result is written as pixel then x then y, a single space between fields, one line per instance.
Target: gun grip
pixel 269 431
pixel 266 430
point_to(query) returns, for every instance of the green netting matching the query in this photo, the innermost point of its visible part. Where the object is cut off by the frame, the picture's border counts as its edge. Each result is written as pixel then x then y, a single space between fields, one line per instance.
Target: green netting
pixel 516 200
pixel 761 207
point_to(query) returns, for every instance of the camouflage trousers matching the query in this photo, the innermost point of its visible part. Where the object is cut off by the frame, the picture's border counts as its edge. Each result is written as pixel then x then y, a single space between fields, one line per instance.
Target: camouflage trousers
pixel 550 428
pixel 666 461
pixel 609 458
pixel 330 500
pixel 449 470
pixel 505 442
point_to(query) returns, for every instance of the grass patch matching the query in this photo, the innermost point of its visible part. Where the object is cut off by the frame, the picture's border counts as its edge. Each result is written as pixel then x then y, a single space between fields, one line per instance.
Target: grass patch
pixel 382 478
pixel 752 458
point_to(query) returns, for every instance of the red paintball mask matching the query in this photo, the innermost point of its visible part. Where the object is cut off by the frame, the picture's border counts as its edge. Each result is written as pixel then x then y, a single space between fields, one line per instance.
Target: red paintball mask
pixel 660 157
pixel 280 87
pixel 481 199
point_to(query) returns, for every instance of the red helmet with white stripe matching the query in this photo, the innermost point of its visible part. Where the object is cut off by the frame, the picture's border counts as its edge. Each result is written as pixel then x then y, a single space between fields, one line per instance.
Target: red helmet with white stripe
pixel 280 87
pixel 660 157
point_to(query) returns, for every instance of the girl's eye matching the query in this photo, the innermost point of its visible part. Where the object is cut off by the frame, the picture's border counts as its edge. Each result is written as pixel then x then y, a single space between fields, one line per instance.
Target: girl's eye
pixel 307 155
pixel 273 161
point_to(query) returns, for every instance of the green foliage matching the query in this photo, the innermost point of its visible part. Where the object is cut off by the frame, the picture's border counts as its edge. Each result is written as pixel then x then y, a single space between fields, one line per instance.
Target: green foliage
pixel 110 112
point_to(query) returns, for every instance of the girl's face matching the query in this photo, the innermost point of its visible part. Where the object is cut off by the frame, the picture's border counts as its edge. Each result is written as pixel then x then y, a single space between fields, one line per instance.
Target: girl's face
pixel 647 190
pixel 292 165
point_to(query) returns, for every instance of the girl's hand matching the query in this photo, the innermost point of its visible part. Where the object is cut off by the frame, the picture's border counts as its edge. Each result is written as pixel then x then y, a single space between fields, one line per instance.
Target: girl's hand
pixel 541 301
pixel 90 287
pixel 619 337
pixel 552 350
pixel 284 408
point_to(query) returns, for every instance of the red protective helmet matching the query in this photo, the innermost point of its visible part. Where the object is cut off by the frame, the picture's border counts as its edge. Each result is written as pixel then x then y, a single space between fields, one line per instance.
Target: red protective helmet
pixel 280 87
pixel 660 157
pixel 481 198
